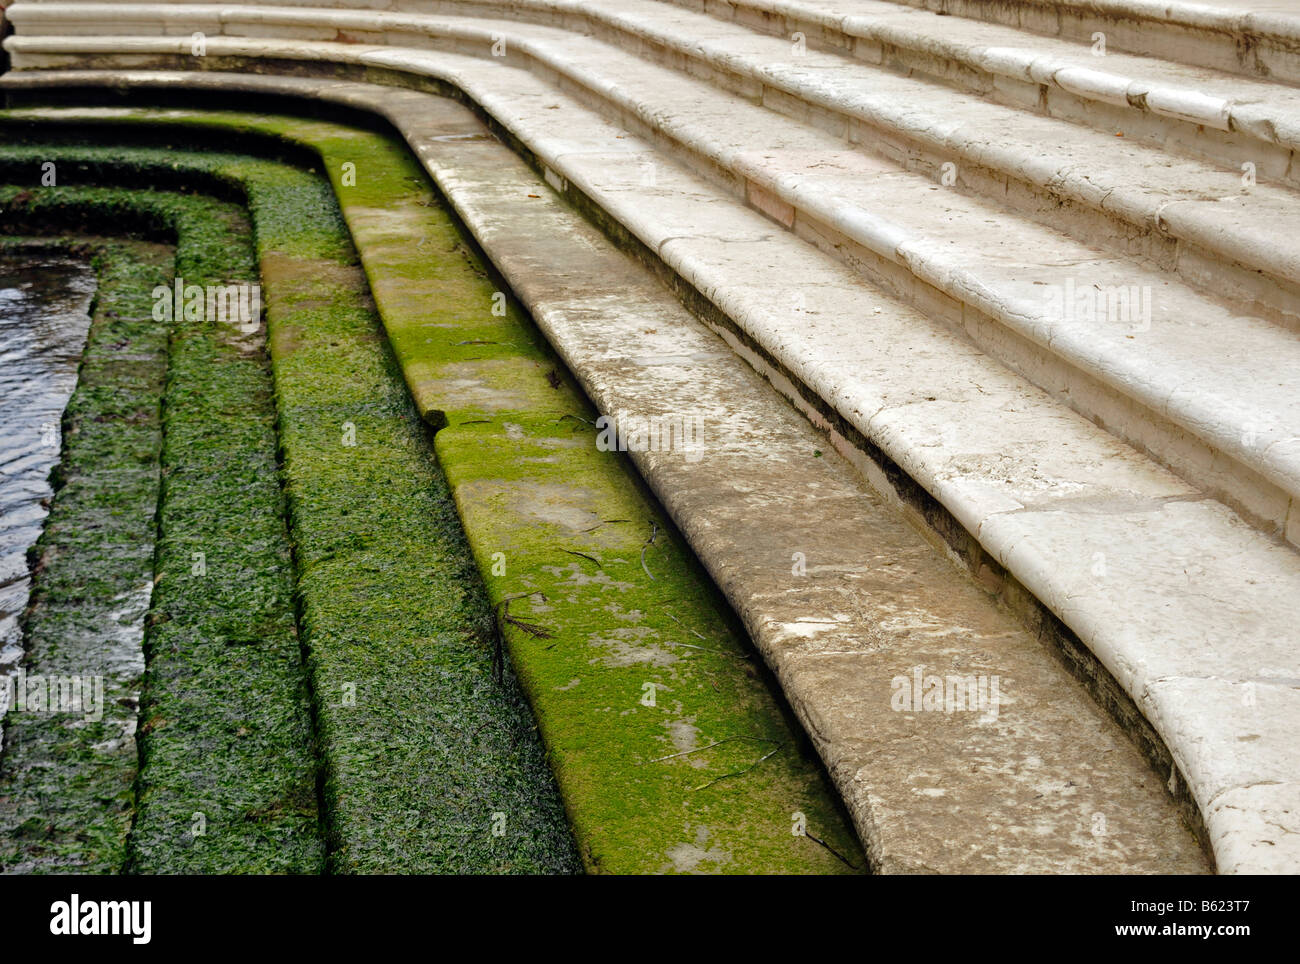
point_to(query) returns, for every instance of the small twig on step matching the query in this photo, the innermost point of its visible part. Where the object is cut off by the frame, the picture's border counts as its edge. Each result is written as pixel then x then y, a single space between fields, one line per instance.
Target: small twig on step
pixel 729 739
pixel 737 773
pixel 584 556
pixel 532 629
pixel 576 418
pixel 654 531
pixel 843 859
pixel 687 628
pixel 707 649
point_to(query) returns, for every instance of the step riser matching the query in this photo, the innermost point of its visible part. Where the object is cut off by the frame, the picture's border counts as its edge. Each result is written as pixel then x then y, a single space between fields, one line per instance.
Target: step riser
pixel 1273 161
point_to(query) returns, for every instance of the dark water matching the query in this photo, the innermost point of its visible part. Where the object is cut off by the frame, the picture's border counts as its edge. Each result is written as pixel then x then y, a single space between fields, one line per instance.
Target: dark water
pixel 44 305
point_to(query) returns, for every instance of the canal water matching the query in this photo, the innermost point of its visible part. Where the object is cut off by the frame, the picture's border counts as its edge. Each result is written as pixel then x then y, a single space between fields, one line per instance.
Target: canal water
pixel 44 318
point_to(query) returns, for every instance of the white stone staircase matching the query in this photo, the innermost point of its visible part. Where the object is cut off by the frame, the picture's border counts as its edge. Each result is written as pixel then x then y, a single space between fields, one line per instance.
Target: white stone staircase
pixel 926 233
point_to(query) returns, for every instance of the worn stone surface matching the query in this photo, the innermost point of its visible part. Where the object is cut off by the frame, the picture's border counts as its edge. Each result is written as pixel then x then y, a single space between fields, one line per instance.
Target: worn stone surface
pixel 839 592
pixel 842 595
pixel 1121 356
pixel 1152 575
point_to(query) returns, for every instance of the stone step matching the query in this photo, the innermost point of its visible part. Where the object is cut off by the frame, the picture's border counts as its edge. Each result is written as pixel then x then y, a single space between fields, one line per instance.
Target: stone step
pixel 1247 123
pixel 1208 390
pixel 1179 600
pixel 1188 608
pixel 363 577
pixel 842 595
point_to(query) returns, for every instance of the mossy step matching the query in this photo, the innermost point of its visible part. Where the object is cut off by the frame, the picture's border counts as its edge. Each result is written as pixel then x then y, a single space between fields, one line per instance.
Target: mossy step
pixel 672 747
pixel 538 497
pixel 431 762
pixel 93 569
pixel 422 746
pixel 227 773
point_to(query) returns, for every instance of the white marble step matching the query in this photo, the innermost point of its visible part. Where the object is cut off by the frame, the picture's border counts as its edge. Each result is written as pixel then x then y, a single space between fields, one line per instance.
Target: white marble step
pixel 1207 222
pixel 1223 117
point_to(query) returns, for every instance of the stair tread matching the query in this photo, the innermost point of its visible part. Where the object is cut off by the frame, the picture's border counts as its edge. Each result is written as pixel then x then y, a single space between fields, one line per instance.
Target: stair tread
pixel 1026 770
pixel 1176 608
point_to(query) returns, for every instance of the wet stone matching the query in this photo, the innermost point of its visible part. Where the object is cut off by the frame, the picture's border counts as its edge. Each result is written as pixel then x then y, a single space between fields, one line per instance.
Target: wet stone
pixel 44 305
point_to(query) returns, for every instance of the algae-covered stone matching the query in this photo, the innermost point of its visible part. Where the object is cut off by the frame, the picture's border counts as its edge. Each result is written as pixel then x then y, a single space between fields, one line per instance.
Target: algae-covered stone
pixel 670 745
pixel 66 799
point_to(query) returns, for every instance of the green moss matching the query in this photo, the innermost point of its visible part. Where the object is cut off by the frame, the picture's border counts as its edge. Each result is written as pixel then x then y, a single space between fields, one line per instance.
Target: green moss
pixel 227 781
pixel 422 743
pixel 66 784
pixel 624 606
pixel 227 773
pixel 600 600
pixel 423 746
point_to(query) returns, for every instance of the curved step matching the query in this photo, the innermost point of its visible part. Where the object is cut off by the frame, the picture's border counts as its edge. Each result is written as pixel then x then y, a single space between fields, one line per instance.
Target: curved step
pixel 1221 415
pixel 1014 789
pixel 420 667
pixel 616 190
pixel 222 652
pixel 1185 598
pixel 1206 223
pixel 1220 116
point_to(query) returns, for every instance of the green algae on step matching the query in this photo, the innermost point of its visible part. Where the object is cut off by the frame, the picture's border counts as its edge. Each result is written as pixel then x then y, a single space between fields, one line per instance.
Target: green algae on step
pixel 431 765
pixel 226 781
pixel 93 568
pixel 228 776
pixel 665 634
pixel 422 746
pixel 671 747
pixel 503 393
